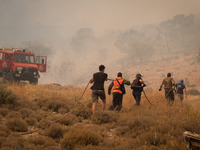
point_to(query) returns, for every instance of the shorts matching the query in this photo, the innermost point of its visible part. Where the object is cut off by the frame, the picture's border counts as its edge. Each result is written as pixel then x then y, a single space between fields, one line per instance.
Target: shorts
pixel 98 93
pixel 180 96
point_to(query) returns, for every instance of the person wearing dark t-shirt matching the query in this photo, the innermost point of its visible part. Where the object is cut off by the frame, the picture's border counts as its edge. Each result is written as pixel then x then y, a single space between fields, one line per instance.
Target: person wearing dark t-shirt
pixel 180 90
pixel 137 87
pixel 97 88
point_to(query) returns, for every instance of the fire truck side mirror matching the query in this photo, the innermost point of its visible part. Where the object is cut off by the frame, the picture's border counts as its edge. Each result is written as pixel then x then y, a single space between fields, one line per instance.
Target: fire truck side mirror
pixel 42 61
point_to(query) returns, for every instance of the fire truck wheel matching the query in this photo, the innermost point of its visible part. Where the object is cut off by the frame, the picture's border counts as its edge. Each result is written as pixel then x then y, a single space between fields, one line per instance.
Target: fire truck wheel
pixel 34 81
pixel 11 76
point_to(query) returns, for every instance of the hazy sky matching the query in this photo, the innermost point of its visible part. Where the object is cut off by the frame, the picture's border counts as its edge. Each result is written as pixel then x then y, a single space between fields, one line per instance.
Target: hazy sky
pixel 56 22
pixel 67 16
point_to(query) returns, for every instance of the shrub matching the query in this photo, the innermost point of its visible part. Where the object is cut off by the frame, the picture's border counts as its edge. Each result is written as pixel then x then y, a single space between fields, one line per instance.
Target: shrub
pixel 3 111
pixel 42 140
pixel 31 121
pixel 54 105
pixel 84 112
pixel 17 124
pixel 55 131
pixel 151 138
pixel 2 139
pixel 192 124
pixel 13 114
pixel 141 123
pixel 25 102
pixel 193 92
pixel 122 130
pixel 77 137
pixel 26 112
pixel 69 120
pixel 41 102
pixel 43 123
pixel 7 96
pixel 125 121
pixel 4 131
pixel 104 117
pixel 13 143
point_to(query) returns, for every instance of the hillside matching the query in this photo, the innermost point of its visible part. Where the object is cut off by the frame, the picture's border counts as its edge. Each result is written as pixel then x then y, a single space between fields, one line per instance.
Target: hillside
pixel 37 117
pixel 181 66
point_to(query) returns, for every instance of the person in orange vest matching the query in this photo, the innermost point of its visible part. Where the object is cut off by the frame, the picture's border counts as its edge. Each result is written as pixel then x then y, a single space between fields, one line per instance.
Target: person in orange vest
pixel 118 91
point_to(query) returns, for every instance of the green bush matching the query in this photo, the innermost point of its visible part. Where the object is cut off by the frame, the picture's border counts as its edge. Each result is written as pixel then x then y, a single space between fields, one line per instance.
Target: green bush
pixel 7 96
pixel 17 124
pixel 77 137
pixel 104 117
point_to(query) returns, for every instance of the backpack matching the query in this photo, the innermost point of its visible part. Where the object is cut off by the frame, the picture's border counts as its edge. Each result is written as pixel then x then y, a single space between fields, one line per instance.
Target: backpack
pixel 134 85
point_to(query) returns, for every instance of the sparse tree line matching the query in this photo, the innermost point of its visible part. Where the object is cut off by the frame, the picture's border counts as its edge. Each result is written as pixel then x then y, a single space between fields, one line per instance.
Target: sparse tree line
pixel 177 35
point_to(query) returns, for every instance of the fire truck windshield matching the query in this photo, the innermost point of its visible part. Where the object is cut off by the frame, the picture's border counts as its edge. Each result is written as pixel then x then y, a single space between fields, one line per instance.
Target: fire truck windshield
pixel 23 58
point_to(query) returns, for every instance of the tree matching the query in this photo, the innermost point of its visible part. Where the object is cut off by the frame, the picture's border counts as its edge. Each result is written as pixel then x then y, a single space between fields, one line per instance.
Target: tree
pixel 137 50
pixel 83 41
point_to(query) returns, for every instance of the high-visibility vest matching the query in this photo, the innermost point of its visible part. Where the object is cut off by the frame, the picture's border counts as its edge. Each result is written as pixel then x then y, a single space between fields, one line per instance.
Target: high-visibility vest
pixel 116 86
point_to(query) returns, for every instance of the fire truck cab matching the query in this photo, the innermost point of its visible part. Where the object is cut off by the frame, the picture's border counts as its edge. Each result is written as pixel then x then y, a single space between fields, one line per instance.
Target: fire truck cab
pixel 17 65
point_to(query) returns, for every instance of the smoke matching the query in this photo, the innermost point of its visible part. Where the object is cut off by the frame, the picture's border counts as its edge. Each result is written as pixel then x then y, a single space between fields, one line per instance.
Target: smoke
pixel 80 57
pixel 78 36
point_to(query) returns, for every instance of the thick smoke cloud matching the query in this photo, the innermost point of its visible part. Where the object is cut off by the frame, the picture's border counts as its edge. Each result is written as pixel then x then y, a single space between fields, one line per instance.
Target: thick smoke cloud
pixel 78 36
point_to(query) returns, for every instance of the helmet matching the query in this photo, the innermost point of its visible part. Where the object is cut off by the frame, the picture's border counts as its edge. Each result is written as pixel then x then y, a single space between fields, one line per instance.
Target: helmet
pixel 138 75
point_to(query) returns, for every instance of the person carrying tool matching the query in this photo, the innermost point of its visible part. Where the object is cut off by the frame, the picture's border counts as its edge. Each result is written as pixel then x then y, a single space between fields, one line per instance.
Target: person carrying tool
pixel 169 85
pixel 180 89
pixel 97 88
pixel 137 87
pixel 118 90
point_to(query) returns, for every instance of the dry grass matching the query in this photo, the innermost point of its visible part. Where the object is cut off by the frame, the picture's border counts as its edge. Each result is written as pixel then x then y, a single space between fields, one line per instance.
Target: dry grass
pixel 17 124
pixel 76 137
pixel 144 127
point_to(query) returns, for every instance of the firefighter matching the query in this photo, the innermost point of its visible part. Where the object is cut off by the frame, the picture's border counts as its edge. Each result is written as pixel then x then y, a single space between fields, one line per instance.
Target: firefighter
pixel 97 88
pixel 118 91
pixel 137 87
pixel 169 85
pixel 180 90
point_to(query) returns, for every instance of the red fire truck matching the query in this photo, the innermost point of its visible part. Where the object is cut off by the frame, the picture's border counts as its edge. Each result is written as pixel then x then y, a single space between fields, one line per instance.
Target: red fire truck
pixel 17 65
